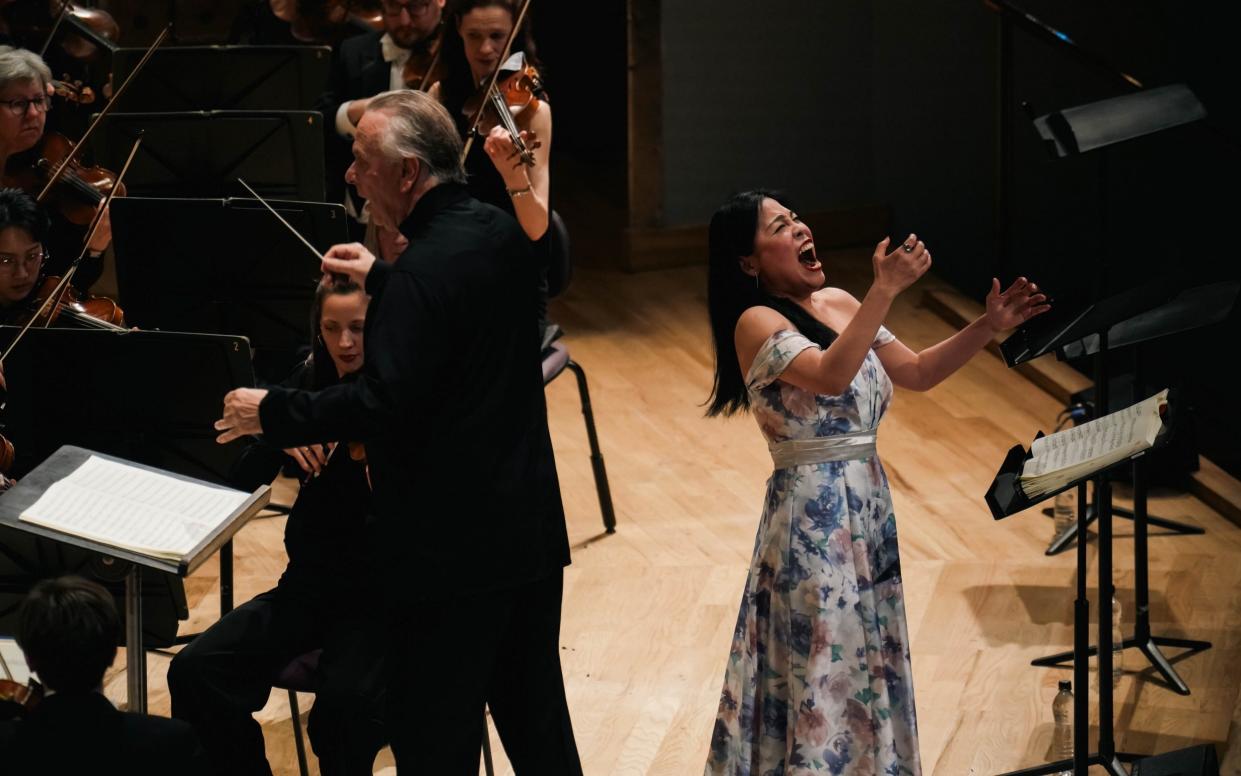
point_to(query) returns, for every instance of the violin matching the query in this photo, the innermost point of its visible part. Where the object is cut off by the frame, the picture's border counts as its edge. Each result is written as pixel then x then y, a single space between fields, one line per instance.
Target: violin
pixel 422 69
pixel 74 308
pixel 78 190
pixel 334 20
pixel 499 103
pixel 18 699
pixel 93 30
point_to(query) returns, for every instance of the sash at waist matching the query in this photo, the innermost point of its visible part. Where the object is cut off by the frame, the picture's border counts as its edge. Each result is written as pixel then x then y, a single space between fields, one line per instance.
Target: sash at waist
pixel 853 446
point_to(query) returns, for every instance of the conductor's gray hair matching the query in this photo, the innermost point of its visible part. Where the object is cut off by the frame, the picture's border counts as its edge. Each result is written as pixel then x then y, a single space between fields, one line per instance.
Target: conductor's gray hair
pixel 420 128
pixel 22 65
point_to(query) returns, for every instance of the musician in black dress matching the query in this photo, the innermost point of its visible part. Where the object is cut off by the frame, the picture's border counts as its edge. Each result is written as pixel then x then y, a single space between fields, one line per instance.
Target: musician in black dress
pixel 474 38
pixel 321 601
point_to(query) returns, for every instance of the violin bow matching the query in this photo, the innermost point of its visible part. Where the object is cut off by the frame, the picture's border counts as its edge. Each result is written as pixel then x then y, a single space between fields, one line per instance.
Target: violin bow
pixel 60 17
pixel 58 293
pixel 491 82
pixel 64 165
pixel 435 60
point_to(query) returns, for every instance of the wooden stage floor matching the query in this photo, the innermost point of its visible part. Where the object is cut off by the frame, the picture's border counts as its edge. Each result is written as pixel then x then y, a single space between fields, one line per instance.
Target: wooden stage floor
pixel 649 611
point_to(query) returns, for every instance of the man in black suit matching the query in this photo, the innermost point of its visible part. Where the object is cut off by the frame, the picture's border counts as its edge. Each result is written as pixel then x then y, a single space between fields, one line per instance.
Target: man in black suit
pixel 470 533
pixel 367 65
pixel 68 629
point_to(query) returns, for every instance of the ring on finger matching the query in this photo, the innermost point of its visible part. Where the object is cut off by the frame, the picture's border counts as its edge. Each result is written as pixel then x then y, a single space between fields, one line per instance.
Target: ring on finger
pixel 908 248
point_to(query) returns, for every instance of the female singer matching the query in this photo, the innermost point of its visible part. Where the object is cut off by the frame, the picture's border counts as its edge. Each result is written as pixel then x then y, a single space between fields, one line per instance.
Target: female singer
pixel 226 674
pixel 818 677
pixel 24 102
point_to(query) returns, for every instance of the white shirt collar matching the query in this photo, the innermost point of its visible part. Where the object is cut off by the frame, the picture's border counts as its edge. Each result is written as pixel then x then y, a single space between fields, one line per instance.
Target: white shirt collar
pixel 391 51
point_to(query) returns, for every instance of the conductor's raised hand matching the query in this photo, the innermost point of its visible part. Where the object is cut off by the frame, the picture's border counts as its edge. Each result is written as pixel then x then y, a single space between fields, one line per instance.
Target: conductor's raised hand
pixel 241 414
pixel 349 259
pixel 1021 302
pixel 900 269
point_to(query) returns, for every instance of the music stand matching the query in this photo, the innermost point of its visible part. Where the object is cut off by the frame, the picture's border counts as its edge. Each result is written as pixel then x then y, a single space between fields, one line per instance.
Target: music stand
pixel 224 266
pixel 196 78
pixel 61 463
pixel 201 154
pixel 1005 498
pixel 147 396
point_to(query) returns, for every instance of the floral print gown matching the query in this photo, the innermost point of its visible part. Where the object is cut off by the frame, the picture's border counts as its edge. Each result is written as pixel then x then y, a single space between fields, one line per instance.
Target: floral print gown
pixel 818 678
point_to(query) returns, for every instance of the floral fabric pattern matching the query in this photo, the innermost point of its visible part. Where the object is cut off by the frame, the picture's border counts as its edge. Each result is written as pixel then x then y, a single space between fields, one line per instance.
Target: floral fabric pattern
pixel 818 679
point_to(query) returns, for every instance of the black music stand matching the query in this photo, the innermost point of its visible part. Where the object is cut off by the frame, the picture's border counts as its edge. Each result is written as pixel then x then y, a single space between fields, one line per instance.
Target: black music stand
pixel 146 396
pixel 59 465
pixel 1168 312
pixel 201 154
pixel 224 266
pixel 1004 498
pixel 195 78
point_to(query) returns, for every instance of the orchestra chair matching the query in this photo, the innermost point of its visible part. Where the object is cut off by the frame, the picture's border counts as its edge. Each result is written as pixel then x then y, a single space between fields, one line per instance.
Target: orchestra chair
pixel 556 359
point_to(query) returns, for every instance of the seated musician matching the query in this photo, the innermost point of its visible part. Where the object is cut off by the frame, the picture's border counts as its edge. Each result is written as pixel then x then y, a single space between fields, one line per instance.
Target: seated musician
pixel 68 630
pixel 24 103
pixel 368 65
pixel 23 231
pixel 226 674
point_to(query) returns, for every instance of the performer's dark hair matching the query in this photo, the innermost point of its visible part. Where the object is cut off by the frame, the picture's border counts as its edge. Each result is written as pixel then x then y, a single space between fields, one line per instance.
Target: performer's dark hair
pixel 730 292
pixel 322 367
pixel 458 83
pixel 17 208
pixel 69 629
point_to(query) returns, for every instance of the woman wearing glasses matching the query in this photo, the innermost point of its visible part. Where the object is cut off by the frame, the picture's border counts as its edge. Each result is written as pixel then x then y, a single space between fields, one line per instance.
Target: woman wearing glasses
pixel 24 102
pixel 23 228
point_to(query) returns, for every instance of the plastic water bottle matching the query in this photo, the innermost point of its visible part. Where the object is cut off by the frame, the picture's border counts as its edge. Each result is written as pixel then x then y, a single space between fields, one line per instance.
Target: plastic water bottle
pixel 1062 733
pixel 1118 640
pixel 1064 512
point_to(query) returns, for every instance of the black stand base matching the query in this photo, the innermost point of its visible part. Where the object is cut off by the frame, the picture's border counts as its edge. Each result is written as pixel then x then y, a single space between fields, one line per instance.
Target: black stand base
pixel 1149 647
pixel 1112 765
pixel 1062 542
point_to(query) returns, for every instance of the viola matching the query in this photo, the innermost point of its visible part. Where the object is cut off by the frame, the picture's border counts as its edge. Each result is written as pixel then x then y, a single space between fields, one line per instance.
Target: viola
pixel 78 190
pixel 91 30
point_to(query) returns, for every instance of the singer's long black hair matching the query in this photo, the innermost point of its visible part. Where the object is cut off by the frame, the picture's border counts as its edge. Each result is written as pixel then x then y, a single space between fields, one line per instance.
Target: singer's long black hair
pixel 730 292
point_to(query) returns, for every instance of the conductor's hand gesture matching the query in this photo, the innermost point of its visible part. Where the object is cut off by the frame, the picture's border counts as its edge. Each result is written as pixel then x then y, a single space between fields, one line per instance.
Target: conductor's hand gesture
pixel 349 259
pixel 241 414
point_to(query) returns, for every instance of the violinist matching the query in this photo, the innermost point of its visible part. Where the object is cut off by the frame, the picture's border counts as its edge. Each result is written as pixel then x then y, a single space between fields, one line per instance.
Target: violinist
pixel 473 44
pixel 24 104
pixel 395 58
pixel 226 674
pixel 68 629
pixel 23 230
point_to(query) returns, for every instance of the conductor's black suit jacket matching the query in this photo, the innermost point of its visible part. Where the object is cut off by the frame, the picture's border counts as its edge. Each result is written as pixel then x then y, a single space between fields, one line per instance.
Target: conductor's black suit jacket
pixel 450 407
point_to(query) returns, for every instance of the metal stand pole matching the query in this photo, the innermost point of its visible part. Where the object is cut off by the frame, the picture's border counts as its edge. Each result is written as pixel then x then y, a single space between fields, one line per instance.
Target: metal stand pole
pixel 135 655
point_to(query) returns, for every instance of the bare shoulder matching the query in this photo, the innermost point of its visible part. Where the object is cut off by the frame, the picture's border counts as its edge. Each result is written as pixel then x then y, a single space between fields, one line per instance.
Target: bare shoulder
pixel 755 325
pixel 838 299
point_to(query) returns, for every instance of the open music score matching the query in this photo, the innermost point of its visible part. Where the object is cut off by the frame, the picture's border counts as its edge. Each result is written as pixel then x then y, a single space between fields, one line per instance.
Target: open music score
pixel 132 508
pixel 1066 456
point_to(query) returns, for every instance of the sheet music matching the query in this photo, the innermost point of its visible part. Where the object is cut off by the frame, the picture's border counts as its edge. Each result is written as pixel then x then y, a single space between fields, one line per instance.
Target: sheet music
pixel 13 662
pixel 1094 445
pixel 133 508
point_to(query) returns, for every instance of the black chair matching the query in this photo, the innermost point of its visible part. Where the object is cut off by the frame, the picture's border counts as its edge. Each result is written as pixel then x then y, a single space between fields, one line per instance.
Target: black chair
pixel 556 359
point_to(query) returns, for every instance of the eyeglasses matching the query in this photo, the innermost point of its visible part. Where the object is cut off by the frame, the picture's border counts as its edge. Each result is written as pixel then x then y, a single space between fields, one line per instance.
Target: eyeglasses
pixel 32 260
pixel 20 106
pixel 414 7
